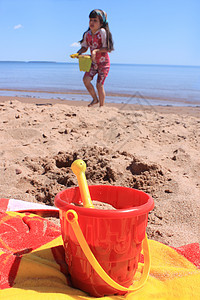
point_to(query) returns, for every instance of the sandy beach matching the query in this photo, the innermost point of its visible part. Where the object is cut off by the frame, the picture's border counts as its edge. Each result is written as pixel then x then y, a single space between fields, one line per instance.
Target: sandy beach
pixel 151 148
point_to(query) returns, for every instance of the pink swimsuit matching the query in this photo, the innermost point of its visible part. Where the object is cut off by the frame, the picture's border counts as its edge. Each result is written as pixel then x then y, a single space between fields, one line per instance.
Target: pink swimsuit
pixel 102 64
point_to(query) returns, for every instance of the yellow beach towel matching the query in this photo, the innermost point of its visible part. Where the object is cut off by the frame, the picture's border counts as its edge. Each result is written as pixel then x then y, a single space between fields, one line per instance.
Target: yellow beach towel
pixel 32 265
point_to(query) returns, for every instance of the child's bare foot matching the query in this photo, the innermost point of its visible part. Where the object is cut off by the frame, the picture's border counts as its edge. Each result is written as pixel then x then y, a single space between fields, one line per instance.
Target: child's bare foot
pixel 94 101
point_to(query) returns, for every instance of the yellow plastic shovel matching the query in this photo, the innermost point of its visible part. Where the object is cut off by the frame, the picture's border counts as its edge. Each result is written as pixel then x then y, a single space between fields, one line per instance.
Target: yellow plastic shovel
pixel 78 167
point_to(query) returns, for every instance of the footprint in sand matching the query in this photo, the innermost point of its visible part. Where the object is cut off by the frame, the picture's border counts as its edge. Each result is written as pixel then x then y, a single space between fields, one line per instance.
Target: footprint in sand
pixel 23 133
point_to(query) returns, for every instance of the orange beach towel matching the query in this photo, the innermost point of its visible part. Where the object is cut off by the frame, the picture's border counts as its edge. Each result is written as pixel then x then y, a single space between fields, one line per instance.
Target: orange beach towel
pixel 32 264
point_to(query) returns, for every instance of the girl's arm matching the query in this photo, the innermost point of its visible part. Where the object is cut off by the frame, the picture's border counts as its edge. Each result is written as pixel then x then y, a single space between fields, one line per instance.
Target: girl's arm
pixel 94 52
pixel 82 50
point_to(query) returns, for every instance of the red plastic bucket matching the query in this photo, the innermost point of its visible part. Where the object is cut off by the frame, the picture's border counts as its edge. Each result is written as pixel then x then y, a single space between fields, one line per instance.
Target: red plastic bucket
pixel 114 236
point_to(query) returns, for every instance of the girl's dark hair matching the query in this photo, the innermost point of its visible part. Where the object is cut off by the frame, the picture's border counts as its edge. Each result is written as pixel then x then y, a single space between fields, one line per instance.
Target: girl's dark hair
pixel 104 24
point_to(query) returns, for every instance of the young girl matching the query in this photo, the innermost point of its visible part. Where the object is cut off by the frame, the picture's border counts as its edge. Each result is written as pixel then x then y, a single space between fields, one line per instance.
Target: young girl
pixel 99 39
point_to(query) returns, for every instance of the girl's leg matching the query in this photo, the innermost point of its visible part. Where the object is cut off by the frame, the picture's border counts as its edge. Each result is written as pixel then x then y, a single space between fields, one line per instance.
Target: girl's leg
pixel 102 74
pixel 101 93
pixel 91 90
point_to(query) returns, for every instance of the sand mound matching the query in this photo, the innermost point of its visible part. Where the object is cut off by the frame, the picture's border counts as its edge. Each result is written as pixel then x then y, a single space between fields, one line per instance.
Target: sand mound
pixel 50 175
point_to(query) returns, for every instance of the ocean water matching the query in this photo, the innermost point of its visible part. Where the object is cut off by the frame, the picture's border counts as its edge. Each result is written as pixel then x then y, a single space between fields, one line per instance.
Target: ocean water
pixel 140 84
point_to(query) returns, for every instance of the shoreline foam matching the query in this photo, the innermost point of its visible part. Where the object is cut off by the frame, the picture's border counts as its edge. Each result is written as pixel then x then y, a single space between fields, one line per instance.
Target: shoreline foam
pixel 115 98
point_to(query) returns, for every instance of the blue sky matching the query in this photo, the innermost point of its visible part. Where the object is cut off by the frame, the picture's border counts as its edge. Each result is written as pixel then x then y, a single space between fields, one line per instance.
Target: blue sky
pixel 144 31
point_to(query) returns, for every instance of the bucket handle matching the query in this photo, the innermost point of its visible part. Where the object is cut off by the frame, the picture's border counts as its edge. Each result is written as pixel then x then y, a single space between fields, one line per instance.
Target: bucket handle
pixel 72 218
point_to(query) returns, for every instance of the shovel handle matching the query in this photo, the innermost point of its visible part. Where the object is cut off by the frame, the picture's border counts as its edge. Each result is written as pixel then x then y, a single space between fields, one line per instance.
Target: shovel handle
pixel 78 167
